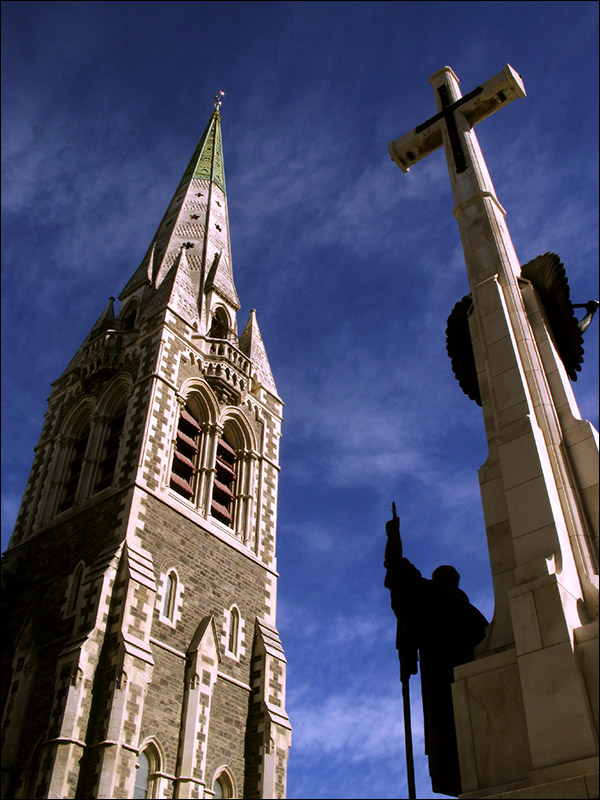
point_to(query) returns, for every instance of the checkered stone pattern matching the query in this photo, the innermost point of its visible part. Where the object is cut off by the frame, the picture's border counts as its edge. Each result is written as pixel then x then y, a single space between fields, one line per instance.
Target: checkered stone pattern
pixel 269 730
pixel 131 658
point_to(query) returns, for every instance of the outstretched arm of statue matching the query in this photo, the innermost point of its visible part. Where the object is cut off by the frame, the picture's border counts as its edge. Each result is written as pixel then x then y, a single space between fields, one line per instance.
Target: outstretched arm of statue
pixel 396 567
pixel 393 547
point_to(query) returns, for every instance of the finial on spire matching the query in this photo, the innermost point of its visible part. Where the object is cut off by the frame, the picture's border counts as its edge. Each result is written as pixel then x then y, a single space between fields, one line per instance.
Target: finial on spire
pixel 218 100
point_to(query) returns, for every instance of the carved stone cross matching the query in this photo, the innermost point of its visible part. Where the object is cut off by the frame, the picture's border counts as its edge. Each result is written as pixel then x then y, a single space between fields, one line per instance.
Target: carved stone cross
pixel 456 114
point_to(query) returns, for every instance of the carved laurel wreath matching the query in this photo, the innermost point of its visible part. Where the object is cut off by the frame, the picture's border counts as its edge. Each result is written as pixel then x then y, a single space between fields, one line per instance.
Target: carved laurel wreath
pixel 548 276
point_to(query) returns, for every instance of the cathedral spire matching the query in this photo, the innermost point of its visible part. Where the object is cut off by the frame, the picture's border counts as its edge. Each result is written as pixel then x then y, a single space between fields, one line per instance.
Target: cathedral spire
pixel 163 436
pixel 197 220
pixel 207 161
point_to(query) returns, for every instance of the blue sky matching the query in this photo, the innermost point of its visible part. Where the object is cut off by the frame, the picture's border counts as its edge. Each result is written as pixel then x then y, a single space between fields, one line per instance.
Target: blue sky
pixel 353 268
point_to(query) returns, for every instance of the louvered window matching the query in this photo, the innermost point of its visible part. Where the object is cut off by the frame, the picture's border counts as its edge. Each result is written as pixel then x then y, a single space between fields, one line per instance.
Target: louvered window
pixel 185 457
pixel 110 452
pixel 223 486
pixel 71 482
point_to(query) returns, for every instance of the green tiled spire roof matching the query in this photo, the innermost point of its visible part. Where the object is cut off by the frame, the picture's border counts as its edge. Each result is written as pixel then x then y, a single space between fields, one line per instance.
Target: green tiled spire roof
pixel 196 219
pixel 207 161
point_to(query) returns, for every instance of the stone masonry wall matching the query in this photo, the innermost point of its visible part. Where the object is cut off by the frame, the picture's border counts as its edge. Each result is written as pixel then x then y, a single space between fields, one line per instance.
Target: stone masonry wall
pixel 213 575
pixel 39 576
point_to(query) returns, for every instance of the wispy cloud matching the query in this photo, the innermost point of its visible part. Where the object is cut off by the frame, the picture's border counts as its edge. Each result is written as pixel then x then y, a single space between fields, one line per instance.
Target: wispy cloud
pixel 354 726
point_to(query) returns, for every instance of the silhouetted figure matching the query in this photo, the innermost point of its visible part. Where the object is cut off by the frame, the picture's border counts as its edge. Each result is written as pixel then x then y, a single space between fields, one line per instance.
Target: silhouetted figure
pixel 436 619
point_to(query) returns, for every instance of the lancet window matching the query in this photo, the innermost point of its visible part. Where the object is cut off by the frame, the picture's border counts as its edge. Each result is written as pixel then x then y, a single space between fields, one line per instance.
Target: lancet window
pixel 170 595
pixel 74 467
pixel 213 466
pixel 75 589
pixel 223 498
pixel 31 771
pixel 169 598
pixel 110 451
pixel 128 316
pixel 186 454
pixel 146 778
pixel 221 326
pixel 142 774
pixel 234 631
pixel 223 785
pixel 84 455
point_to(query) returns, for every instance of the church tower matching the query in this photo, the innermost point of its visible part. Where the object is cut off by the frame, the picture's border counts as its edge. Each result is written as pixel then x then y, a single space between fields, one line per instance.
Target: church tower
pixel 141 655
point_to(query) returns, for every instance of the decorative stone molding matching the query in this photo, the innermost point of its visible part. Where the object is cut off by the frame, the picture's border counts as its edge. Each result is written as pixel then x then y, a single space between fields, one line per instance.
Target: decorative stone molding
pixel 202 662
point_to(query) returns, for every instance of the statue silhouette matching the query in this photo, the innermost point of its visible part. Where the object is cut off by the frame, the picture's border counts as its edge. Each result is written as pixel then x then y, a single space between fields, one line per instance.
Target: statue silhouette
pixel 438 626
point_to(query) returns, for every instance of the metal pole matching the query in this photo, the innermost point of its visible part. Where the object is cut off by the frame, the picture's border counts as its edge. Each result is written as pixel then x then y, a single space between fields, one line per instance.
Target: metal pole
pixel 410 765
pixel 407 653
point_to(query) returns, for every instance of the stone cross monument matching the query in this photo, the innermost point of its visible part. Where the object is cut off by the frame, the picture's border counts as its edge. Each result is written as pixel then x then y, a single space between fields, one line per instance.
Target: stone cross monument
pixel 526 709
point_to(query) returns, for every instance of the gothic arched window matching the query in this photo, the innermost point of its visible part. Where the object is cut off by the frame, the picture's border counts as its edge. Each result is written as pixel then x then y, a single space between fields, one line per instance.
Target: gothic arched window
pixel 110 450
pixel 146 779
pixel 128 315
pixel 213 464
pixel 30 773
pixel 220 325
pixel 75 588
pixel 142 776
pixel 223 785
pixel 186 453
pixel 234 631
pixel 75 457
pixel 223 498
pixel 170 596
